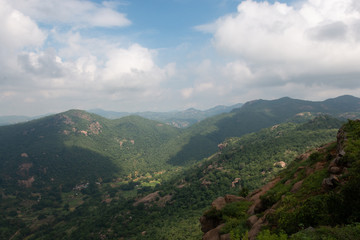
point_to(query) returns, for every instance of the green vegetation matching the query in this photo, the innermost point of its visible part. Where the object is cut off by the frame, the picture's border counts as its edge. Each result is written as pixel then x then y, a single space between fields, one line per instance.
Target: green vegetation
pixel 317 196
pixel 77 175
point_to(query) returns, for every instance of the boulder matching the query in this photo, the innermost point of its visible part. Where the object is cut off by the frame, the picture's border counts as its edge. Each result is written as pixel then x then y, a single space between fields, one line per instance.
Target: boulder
pixel 225 236
pixel 335 170
pixel 252 220
pixel 255 229
pixel 232 198
pixel 330 182
pixel 219 203
pixel 296 186
pixel 213 234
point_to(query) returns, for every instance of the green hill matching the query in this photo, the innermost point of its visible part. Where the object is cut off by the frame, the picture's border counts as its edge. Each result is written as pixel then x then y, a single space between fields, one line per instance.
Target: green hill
pixel 77 175
pixel 76 146
pixel 203 137
pixel 315 197
pixel 137 209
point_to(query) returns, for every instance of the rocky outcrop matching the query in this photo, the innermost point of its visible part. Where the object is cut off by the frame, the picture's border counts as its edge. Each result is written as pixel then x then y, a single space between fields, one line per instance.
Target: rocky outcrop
pixel 211 224
pixel 219 203
pixel 337 166
pixel 255 196
pixel 214 234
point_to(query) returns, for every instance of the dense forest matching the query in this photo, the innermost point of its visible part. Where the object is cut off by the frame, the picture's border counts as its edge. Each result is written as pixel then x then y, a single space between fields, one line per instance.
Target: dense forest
pixel 77 175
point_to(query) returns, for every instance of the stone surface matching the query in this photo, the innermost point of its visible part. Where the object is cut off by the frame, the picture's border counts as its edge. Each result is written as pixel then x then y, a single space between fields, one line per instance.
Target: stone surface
pixel 219 203
pixel 252 220
pixel 232 198
pixel 213 234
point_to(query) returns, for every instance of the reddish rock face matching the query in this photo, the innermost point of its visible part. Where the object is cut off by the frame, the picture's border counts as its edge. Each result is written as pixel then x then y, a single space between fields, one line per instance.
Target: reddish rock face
pixel 213 234
pixel 219 203
pixel 232 198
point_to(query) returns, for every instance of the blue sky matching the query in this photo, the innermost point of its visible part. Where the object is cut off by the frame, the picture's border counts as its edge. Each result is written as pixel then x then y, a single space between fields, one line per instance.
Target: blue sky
pixel 161 55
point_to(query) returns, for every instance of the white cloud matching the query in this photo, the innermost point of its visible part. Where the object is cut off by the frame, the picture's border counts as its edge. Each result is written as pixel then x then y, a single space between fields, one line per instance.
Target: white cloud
pixel 187 92
pixel 74 12
pixel 80 71
pixel 17 31
pixel 280 43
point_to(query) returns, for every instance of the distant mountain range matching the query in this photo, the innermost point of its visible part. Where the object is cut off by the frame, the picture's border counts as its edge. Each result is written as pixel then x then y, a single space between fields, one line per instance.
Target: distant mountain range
pixel 179 119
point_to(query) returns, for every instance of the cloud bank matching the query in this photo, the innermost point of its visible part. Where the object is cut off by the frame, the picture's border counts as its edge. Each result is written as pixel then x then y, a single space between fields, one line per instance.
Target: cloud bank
pixel 78 72
pixel 314 44
pixel 52 61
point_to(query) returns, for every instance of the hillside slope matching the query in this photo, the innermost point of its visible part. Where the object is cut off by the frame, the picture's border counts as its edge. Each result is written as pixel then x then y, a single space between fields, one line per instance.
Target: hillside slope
pixel 161 205
pixel 76 146
pixel 203 137
pixel 317 191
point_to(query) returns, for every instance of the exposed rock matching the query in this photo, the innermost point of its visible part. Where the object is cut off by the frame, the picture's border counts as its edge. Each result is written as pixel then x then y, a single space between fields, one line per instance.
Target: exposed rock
pixel 219 203
pixel 148 198
pixel 225 237
pixel 95 128
pixel 274 127
pixel 330 182
pixel 213 234
pixel 236 180
pixel 256 197
pixel 335 170
pixel 255 229
pixel 232 198
pixel 163 200
pixel 281 164
pixel 252 220
pixel 84 132
pixel 296 186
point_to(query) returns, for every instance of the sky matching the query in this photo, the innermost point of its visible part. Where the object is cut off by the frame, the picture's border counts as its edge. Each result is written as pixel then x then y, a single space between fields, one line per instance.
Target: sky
pixel 163 55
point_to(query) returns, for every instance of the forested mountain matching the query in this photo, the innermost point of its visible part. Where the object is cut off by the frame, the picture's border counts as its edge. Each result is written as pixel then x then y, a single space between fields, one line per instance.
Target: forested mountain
pixel 77 175
pixel 315 197
pixel 71 147
pixel 255 115
pixel 163 205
